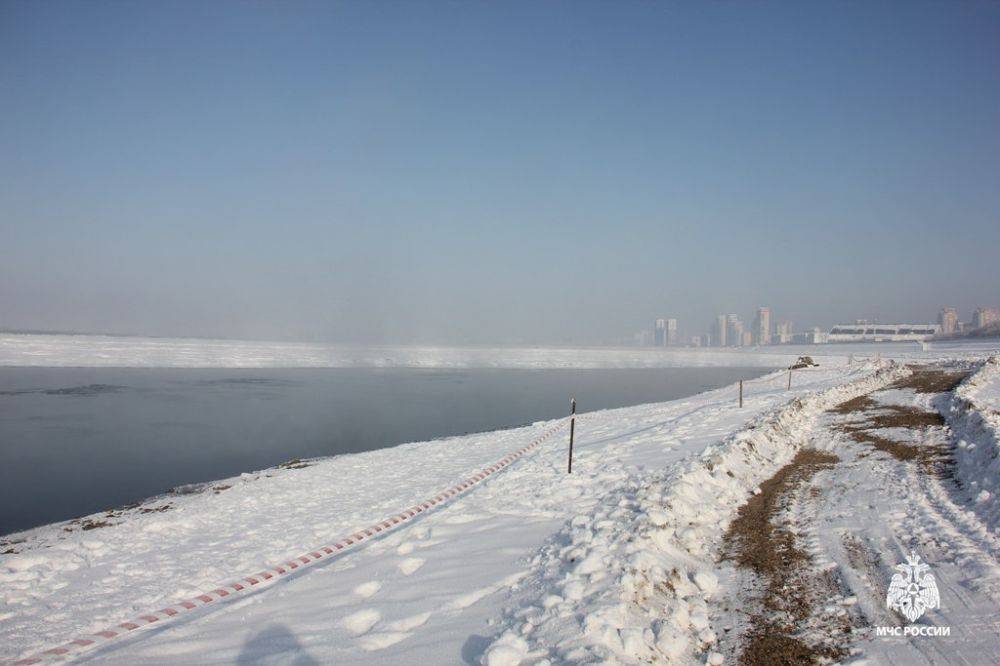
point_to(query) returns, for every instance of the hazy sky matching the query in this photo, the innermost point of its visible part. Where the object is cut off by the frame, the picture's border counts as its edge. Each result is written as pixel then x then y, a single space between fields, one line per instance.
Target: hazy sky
pixel 494 172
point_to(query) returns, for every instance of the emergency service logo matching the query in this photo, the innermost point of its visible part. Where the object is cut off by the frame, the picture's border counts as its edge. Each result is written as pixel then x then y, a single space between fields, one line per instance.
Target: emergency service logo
pixel 912 592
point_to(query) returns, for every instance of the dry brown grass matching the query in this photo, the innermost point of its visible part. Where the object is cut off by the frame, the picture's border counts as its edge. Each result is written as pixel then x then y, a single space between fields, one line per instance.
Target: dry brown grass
pixel 756 542
pixel 860 404
pixel 931 380
pixel 877 416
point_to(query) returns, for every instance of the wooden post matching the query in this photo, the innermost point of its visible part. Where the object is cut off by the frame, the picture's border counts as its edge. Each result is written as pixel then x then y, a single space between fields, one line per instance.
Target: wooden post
pixel 741 393
pixel 572 427
pixel 789 379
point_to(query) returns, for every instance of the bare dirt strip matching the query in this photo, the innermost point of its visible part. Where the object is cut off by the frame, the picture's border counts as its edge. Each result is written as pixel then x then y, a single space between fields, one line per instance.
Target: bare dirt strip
pixel 758 541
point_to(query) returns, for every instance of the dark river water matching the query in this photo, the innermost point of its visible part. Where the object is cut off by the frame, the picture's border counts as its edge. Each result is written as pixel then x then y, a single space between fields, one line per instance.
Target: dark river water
pixel 78 440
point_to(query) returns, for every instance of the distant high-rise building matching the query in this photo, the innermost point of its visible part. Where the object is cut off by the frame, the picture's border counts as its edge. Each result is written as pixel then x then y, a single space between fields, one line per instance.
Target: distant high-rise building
pixel 948 319
pixel 813 337
pixel 985 317
pixel 671 339
pixel 660 333
pixel 719 333
pixel 762 326
pixel 696 341
pixel 783 332
pixel 747 339
pixel 734 330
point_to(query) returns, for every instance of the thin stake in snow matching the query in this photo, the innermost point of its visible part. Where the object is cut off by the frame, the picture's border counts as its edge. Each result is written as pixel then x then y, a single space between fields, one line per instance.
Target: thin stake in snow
pixel 789 379
pixel 741 393
pixel 572 427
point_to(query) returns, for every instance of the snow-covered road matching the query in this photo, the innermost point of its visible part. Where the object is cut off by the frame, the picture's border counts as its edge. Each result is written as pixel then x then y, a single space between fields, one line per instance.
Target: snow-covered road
pixel 887 488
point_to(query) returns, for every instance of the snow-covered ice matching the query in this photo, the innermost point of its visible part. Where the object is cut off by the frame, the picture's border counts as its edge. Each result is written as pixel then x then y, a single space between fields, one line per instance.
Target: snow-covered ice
pixel 111 351
pixel 108 351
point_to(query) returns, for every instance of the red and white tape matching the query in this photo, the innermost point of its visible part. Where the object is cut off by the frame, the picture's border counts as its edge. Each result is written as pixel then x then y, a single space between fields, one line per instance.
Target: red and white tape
pixel 252 582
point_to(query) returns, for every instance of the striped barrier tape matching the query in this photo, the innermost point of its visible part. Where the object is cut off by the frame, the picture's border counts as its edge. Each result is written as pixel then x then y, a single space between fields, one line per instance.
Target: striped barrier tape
pixel 251 582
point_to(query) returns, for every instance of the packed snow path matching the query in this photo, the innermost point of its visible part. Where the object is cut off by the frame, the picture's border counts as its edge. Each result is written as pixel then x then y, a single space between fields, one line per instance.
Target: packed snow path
pixel 879 478
pixel 429 591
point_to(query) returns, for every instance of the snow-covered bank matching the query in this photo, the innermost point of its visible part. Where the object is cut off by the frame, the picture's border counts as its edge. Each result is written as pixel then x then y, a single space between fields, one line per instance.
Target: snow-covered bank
pixel 109 351
pixel 974 417
pixel 57 583
pixel 632 581
pixel 614 563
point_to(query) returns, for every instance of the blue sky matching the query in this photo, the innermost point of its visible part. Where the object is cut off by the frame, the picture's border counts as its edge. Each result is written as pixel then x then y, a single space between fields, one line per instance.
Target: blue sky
pixel 493 172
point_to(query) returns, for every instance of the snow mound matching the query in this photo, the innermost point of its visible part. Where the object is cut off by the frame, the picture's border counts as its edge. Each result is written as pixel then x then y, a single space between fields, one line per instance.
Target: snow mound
pixel 975 420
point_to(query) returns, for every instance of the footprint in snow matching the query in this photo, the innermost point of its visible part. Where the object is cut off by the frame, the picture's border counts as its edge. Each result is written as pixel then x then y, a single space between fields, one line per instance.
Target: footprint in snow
pixel 409 623
pixel 410 564
pixel 380 641
pixel 466 600
pixel 362 621
pixel 366 590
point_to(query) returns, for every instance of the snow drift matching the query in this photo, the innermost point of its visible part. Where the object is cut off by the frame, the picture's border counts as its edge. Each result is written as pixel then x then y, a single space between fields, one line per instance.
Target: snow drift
pixel 974 416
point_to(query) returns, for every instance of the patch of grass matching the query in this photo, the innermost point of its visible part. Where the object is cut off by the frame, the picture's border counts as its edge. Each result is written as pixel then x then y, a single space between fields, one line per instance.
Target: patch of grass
pixel 899 416
pixel 877 416
pixel 933 459
pixel 931 380
pixel 756 542
pixel 860 404
pixel 767 648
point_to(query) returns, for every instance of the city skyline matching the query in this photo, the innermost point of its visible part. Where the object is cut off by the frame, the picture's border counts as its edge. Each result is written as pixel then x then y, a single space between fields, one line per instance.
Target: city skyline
pixel 782 330
pixel 731 330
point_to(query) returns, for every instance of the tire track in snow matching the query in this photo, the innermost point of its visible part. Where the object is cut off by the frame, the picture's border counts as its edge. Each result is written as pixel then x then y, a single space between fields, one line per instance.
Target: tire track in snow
pixel 875 503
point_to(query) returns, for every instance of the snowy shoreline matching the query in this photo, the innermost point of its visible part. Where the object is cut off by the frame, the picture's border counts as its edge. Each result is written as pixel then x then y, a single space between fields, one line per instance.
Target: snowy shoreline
pixel 271 515
pixel 551 552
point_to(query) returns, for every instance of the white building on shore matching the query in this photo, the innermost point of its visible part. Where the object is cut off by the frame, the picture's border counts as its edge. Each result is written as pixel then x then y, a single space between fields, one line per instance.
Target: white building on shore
pixel 862 331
